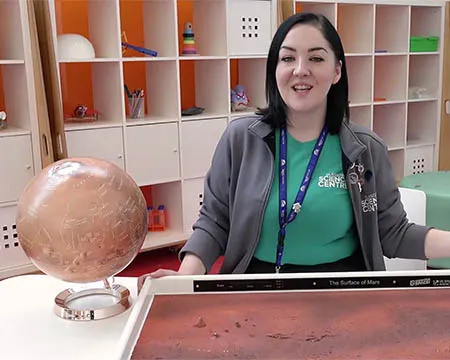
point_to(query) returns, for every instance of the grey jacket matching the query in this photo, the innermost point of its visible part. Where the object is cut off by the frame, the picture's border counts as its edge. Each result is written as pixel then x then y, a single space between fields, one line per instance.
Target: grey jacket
pixel 238 184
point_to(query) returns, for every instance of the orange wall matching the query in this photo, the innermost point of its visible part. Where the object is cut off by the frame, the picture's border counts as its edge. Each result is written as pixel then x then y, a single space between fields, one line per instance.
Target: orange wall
pixel 234 71
pixel 76 78
pixel 76 85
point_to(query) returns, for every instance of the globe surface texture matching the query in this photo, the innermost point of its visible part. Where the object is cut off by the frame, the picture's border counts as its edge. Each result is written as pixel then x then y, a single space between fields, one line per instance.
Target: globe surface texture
pixel 81 220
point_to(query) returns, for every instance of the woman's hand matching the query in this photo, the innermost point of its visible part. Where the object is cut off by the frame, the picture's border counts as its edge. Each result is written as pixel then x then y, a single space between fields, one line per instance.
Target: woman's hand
pixel 191 265
pixel 155 275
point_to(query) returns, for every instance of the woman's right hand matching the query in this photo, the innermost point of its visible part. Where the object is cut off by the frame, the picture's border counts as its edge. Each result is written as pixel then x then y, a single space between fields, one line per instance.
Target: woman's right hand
pixel 191 265
pixel 155 275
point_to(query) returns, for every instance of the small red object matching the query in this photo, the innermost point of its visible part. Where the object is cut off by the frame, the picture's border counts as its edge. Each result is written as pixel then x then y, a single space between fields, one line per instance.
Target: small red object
pixel 156 218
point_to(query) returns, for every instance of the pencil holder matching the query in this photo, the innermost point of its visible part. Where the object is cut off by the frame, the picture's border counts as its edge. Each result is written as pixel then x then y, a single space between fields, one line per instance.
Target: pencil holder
pixel 136 106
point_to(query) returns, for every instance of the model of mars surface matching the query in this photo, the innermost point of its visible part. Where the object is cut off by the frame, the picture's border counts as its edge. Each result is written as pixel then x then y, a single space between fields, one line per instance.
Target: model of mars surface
pixel 344 325
pixel 81 220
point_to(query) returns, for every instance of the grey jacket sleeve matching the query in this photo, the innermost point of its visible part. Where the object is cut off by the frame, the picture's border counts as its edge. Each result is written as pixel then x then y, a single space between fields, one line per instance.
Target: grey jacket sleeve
pixel 399 238
pixel 210 235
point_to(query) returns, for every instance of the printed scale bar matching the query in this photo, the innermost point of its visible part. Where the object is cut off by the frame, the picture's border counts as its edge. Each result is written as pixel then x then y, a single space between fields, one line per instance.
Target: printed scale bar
pixel 322 283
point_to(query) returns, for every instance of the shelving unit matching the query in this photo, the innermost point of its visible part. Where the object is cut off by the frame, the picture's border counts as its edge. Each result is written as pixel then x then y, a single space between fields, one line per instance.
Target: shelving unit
pixel 165 151
pixel 19 141
pixel 394 91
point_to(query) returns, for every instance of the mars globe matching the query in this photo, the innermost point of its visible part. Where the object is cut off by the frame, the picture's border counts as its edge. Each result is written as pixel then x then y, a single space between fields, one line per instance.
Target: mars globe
pixel 81 220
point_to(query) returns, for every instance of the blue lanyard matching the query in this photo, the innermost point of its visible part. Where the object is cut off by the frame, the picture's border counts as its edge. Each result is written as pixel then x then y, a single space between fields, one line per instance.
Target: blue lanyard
pixel 295 209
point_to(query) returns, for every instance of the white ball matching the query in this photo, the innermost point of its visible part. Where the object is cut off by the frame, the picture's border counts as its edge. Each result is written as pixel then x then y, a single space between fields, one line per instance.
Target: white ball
pixel 75 47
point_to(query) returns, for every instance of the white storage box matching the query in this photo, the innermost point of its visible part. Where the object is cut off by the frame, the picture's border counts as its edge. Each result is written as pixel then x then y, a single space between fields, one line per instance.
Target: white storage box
pixel 249 27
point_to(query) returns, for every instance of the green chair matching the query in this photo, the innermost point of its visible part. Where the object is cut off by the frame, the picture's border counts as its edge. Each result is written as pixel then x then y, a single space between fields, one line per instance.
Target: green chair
pixel 436 186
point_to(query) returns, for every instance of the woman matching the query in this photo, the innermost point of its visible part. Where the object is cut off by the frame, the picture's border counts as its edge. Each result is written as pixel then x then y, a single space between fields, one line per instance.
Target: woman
pixel 298 187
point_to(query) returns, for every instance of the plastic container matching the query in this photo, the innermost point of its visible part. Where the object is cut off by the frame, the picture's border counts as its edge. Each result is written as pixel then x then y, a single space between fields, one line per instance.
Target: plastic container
pixel 156 218
pixel 423 44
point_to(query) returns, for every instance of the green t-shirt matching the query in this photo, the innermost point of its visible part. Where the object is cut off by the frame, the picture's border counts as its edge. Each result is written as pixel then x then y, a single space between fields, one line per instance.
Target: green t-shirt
pixel 323 231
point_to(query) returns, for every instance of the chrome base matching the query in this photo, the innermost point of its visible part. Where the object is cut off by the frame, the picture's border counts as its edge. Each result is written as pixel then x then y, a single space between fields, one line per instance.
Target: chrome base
pixel 120 294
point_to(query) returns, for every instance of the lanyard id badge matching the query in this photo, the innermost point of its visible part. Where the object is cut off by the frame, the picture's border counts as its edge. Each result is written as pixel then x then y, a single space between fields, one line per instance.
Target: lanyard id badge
pixel 296 207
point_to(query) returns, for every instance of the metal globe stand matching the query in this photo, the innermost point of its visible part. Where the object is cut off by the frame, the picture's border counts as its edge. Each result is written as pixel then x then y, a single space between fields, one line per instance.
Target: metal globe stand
pixel 121 296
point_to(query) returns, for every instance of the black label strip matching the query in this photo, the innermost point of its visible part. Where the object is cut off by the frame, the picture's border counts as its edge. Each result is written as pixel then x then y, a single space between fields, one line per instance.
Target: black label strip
pixel 328 283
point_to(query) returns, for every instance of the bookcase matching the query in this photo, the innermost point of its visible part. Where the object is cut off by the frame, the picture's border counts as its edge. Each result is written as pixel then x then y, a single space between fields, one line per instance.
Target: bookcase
pixel 19 140
pixel 165 151
pixel 393 90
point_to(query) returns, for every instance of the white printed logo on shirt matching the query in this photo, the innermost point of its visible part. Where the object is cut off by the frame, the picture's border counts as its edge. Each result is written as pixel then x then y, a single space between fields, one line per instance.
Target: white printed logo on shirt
pixel 370 203
pixel 332 180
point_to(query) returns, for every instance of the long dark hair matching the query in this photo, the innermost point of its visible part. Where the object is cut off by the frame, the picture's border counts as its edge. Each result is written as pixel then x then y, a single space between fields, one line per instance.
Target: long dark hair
pixel 337 98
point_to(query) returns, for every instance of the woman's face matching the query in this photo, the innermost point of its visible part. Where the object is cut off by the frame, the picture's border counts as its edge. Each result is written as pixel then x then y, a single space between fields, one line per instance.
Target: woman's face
pixel 306 69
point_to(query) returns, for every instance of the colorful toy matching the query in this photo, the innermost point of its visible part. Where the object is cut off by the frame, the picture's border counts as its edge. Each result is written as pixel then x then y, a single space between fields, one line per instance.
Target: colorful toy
pixel 142 50
pixel 239 98
pixel 188 40
pixel 81 113
pixel 156 218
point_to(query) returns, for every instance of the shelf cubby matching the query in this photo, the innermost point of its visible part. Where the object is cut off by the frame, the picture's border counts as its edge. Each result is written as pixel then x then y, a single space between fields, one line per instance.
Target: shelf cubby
pixel 392 27
pixel 423 76
pixel 328 9
pixel 199 139
pixel 152 153
pixel 397 158
pixel 14 99
pixel 11 45
pixel 158 80
pixel 149 24
pixel 355 27
pixel 170 196
pixel 389 122
pixel 96 85
pixel 361 115
pixel 359 70
pixel 390 78
pixel 426 20
pixel 208 24
pixel 204 83
pixel 96 20
pixel 422 122
pixel 251 74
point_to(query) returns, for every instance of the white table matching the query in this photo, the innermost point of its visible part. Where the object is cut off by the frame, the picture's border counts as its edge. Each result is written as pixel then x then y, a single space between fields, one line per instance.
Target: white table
pixel 29 328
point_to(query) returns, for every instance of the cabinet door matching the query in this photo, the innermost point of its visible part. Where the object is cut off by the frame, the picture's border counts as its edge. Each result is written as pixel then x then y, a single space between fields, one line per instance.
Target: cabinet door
pixel 106 144
pixel 199 140
pixel 152 154
pixel 16 166
pixel 192 202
